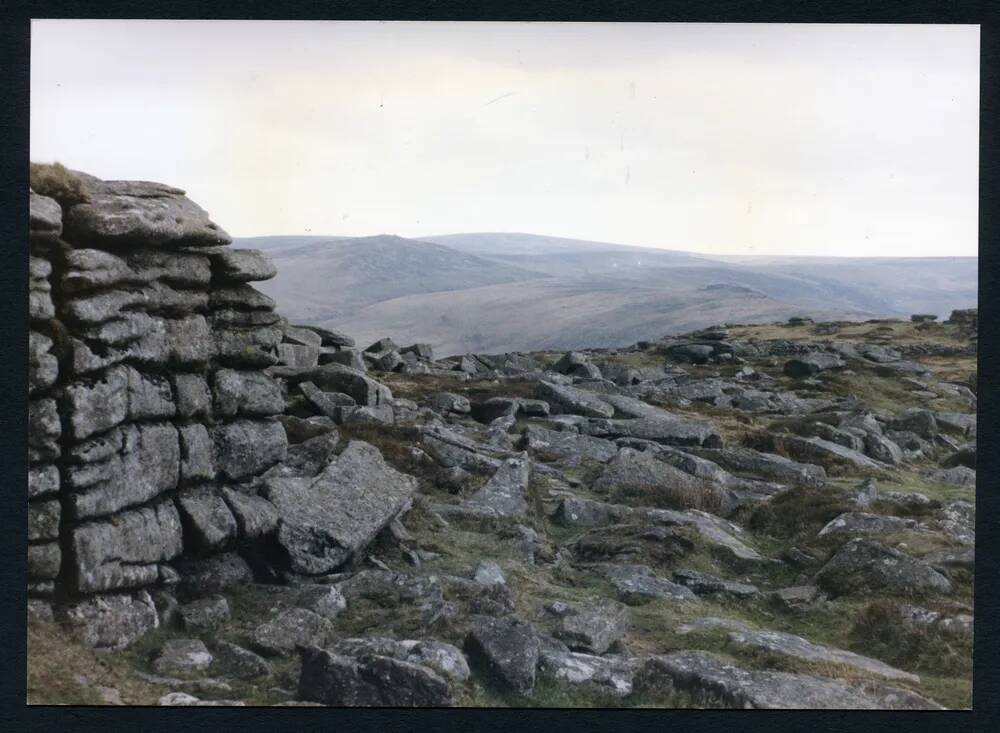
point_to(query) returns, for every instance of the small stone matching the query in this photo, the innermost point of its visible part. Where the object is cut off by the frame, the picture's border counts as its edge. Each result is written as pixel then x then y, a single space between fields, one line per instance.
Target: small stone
pixel 489 573
pixel 290 629
pixel 207 614
pixel 593 629
pixel 182 655
pixel 241 663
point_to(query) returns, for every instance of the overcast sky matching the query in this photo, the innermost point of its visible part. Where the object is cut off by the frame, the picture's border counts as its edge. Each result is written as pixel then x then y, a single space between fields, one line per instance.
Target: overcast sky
pixel 745 139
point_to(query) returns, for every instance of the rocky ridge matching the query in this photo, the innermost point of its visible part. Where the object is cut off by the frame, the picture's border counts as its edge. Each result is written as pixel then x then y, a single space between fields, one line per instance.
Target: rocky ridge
pixel 242 510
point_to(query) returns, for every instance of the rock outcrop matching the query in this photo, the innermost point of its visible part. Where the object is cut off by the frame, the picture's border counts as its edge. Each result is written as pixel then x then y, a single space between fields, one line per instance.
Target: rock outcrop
pixel 148 403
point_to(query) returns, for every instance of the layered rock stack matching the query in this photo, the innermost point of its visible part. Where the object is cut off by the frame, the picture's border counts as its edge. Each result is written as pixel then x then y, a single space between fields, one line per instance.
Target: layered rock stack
pixel 149 407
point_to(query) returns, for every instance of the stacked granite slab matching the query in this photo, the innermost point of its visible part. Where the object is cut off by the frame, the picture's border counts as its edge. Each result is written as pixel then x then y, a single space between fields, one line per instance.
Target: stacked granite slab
pixel 154 413
pixel 44 425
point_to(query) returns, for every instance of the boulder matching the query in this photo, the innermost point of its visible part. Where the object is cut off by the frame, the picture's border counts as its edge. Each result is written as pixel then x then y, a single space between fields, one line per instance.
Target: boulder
pixel 248 447
pixel 789 645
pixel 45 215
pixel 855 523
pixel 326 520
pixel 142 462
pixel 445 659
pixel 126 212
pixel 488 573
pixel 638 584
pixel 298 355
pixel 955 476
pixel 505 495
pixel 124 552
pixel 370 681
pixel 246 393
pixel 705 584
pixel 594 628
pixel 573 400
pixel 865 566
pixel 445 402
pixel 93 407
pixel 324 600
pixel 241 663
pixel 254 515
pixel 714 683
pixel 507 648
pixel 640 478
pixel 808 365
pixel 663 428
pixel 289 629
pixel 182 655
pixel 568 447
pixel 765 465
pixel 44 430
pixel 214 573
pixel 196 453
pixel 330 337
pixel 112 621
pixel 610 673
pixel 209 525
pixel 205 615
pixel 825 451
pixel 576 364
pixel 43 366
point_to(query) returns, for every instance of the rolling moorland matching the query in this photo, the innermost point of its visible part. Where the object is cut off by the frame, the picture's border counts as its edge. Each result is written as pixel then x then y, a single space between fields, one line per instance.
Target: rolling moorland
pixel 226 508
pixel 503 292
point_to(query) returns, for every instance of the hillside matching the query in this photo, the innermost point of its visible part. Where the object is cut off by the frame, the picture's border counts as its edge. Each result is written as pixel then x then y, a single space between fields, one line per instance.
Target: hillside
pixel 505 291
pixel 333 279
pixel 235 510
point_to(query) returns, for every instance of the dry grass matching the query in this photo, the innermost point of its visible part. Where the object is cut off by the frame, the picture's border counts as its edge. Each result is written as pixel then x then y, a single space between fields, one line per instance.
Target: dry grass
pixel 57 181
pixel 62 671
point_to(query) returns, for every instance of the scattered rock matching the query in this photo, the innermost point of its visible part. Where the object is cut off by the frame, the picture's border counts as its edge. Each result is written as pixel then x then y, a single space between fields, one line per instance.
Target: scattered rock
pixel 593 629
pixel 290 629
pixel 638 584
pixel 508 648
pixel 182 655
pixel 866 566
pixel 205 615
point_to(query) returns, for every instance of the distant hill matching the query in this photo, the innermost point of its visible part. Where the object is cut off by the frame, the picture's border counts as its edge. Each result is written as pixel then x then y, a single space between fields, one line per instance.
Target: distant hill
pixel 503 291
pixel 333 278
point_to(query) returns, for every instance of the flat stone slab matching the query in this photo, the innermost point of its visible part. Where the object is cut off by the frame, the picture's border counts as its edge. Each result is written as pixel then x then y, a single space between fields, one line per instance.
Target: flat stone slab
pixel 765 465
pixel 723 534
pixel 665 428
pixel 855 523
pixel 573 400
pixel 826 451
pixel 139 211
pixel 704 584
pixel 568 447
pixel 290 629
pixel 370 681
pixel 326 520
pixel 445 659
pixel 182 655
pixel 638 584
pixel 712 682
pixel 639 477
pixel 504 496
pixel 789 645
pixel 610 673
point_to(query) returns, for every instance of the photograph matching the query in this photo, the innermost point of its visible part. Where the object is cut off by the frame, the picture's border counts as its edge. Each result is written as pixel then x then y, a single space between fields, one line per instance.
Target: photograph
pixel 501 364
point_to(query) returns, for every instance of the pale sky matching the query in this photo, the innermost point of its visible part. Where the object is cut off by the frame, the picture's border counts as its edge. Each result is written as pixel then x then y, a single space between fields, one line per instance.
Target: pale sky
pixel 718 138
